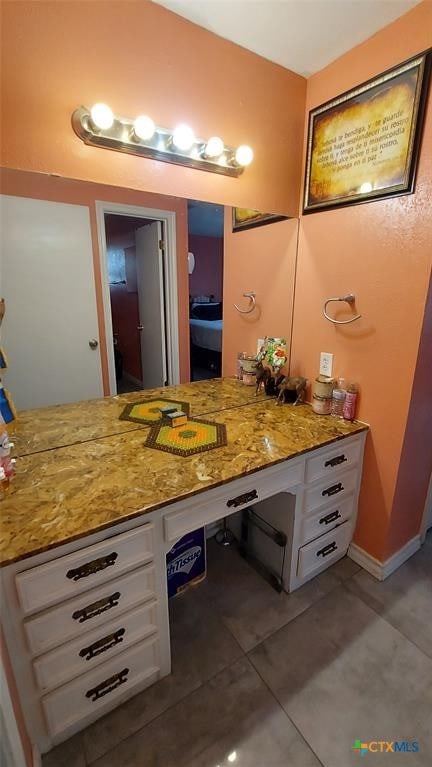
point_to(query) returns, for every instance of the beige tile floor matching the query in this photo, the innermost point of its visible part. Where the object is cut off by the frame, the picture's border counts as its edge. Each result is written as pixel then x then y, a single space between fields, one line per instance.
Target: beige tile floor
pixel 267 680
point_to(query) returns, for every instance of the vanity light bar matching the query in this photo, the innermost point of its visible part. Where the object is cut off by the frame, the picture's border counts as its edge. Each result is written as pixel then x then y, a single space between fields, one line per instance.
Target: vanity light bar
pixel 118 133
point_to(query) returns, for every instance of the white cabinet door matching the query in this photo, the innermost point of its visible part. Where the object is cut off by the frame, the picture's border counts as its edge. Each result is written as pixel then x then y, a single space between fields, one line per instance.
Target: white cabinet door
pixel 47 279
pixel 151 299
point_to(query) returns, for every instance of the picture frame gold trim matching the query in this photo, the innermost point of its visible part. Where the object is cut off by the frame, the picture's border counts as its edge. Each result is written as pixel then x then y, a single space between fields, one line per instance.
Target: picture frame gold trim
pixel 364 144
pixel 247 218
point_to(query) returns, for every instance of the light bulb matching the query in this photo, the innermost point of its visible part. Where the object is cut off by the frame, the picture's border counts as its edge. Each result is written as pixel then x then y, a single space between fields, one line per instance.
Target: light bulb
pixel 102 116
pixel 244 155
pixel 366 187
pixel 144 127
pixel 183 137
pixel 214 147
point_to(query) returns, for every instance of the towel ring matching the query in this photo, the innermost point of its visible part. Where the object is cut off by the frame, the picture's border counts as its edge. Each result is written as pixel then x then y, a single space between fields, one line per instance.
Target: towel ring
pixel 251 296
pixel 350 299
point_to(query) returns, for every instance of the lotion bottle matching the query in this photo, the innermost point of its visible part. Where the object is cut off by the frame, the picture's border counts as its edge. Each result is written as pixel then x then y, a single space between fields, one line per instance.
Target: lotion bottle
pixel 350 403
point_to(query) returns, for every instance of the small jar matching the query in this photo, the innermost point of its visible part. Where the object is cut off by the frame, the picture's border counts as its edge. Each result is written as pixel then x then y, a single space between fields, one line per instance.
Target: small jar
pixel 249 364
pixel 249 379
pixel 321 405
pixel 323 386
pixel 337 403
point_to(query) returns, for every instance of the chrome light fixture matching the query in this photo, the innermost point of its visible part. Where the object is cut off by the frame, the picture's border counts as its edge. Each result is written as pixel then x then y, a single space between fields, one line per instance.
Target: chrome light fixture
pixel 98 126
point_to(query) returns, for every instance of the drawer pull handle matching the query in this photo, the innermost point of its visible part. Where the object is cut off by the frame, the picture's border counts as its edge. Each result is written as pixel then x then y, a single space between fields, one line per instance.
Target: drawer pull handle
pixel 96 608
pixel 102 645
pixel 108 685
pixel 332 517
pixel 90 568
pixel 327 550
pixel 335 461
pixel 333 490
pixel 245 498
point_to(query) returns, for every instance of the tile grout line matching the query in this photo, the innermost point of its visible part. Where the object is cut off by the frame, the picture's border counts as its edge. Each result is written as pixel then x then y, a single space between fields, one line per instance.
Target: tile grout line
pixel 294 618
pixel 384 618
pixel 162 713
pixel 283 710
pixel 132 735
pixel 244 654
pixel 192 692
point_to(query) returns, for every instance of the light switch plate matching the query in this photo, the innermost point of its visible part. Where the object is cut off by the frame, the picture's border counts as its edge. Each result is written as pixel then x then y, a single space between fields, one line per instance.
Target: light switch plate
pixel 260 342
pixel 326 364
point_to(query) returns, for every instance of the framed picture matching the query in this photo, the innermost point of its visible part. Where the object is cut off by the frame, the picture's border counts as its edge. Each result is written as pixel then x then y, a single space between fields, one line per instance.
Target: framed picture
pixel 364 144
pixel 246 218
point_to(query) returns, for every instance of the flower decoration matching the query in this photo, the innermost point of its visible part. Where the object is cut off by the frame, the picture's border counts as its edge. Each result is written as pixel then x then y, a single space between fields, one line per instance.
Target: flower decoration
pixel 273 353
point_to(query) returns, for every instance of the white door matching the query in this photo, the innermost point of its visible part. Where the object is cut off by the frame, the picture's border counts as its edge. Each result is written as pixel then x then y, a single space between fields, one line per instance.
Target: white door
pixel 47 279
pixel 151 292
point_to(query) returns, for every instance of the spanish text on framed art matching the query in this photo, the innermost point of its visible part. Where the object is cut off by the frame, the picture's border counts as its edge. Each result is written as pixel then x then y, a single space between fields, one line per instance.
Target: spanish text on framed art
pixel 364 144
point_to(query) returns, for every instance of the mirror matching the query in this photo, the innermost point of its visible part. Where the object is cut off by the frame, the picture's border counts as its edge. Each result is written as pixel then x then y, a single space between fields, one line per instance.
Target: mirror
pixel 75 321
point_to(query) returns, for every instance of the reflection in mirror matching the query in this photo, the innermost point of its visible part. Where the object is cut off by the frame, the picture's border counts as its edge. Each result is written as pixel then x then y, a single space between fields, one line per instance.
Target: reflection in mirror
pixel 206 243
pixel 99 296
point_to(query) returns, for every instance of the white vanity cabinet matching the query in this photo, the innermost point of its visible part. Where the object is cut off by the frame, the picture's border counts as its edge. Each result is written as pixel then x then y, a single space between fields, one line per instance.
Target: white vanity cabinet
pixel 86 623
pixel 325 521
pixel 312 499
pixel 87 627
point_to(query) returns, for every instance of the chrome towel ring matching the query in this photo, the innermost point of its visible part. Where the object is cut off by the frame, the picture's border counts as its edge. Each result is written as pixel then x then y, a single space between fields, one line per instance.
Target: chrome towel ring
pixel 350 299
pixel 251 296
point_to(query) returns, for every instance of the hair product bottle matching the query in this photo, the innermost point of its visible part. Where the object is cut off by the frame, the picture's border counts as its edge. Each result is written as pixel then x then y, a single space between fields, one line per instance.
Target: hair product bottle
pixel 350 405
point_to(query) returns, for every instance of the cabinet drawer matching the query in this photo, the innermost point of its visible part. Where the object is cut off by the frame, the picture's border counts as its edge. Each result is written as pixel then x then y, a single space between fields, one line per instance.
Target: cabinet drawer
pixel 330 489
pixel 90 610
pixel 232 497
pixel 343 455
pixel 331 516
pixel 64 577
pixel 324 550
pixel 99 689
pixel 95 647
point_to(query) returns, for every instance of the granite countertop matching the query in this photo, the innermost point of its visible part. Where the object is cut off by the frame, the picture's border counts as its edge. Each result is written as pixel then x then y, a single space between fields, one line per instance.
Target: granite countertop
pixel 64 493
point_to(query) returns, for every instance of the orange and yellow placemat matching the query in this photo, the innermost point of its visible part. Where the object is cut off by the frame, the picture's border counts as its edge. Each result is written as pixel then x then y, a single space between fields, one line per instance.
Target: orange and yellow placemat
pixel 149 411
pixel 197 436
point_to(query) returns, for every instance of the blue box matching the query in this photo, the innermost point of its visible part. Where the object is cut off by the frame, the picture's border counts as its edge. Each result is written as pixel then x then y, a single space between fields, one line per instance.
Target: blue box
pixel 186 562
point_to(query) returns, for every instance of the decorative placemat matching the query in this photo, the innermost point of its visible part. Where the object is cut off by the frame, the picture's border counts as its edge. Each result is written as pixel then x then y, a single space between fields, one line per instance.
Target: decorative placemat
pixel 197 436
pixel 148 411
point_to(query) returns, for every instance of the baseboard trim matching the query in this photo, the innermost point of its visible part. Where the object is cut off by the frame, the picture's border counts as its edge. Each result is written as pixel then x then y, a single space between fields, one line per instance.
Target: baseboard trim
pixel 382 570
pixel 366 561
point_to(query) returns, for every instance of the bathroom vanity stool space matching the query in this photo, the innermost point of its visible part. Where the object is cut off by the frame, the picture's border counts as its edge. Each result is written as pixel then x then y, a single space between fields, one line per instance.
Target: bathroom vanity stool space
pixel 86 623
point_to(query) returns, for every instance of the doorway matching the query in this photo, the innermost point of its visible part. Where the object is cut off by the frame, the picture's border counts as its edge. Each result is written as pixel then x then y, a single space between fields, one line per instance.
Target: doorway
pixel 138 256
pixel 205 262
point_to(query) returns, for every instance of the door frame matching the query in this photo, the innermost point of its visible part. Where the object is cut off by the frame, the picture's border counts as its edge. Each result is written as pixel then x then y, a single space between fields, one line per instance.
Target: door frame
pixel 427 514
pixel 168 219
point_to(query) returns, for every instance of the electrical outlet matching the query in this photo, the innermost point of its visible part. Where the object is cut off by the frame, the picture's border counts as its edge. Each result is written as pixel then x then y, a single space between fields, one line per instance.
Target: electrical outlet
pixel 326 364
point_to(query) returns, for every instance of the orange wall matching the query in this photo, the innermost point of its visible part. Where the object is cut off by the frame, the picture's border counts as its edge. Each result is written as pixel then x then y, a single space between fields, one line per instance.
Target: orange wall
pixel 381 251
pixel 262 260
pixel 44 187
pixel 139 57
pixel 415 466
